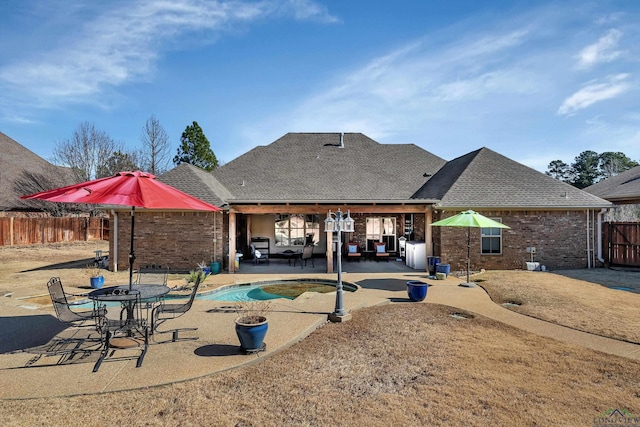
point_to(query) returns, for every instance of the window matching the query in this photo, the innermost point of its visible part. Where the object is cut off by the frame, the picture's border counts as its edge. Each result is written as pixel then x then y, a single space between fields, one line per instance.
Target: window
pixel 491 240
pixel 297 229
pixel 381 230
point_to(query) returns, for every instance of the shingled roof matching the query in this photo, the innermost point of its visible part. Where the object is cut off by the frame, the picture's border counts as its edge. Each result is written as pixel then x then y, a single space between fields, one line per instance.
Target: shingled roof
pixel 486 179
pixel 316 167
pixel 18 166
pixel 624 187
pixel 196 182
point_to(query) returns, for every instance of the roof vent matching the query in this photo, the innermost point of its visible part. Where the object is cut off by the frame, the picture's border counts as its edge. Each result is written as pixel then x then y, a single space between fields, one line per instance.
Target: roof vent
pixel 341 140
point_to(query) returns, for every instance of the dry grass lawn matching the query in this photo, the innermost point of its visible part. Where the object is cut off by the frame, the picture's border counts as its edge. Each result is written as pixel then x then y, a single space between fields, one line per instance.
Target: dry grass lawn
pixel 400 364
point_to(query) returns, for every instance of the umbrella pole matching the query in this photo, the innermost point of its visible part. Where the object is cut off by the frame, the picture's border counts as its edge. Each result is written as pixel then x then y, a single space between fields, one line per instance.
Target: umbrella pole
pixel 468 251
pixel 132 256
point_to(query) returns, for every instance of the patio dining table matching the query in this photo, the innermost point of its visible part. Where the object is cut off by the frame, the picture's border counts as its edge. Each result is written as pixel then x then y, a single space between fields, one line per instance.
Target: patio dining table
pixel 128 296
pixel 292 255
pixel 133 299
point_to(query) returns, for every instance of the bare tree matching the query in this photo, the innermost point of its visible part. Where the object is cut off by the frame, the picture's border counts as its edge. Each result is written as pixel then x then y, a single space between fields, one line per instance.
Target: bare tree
pixel 120 160
pixel 85 152
pixel 155 147
pixel 41 180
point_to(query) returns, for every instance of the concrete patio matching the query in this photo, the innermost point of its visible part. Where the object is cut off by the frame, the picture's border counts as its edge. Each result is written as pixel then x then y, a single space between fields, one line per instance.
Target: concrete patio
pixel 25 331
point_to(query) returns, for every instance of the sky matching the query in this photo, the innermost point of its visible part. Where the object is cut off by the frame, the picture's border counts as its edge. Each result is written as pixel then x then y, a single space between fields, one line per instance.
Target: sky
pixel 535 81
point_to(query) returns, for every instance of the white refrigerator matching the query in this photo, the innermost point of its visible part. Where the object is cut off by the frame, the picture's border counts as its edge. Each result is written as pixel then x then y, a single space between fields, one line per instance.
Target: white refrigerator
pixel 416 255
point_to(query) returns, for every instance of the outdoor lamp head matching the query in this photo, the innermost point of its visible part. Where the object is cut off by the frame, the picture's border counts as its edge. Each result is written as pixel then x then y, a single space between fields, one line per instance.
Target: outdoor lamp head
pixel 347 225
pixel 329 224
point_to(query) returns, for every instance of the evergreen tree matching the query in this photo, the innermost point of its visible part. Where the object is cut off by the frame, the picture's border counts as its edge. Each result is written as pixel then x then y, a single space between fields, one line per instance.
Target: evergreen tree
pixel 612 164
pixel 585 169
pixel 559 170
pixel 195 149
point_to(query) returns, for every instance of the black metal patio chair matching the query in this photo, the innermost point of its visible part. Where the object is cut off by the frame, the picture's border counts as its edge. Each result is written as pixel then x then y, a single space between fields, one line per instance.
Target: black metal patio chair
pixel 64 313
pixel 164 312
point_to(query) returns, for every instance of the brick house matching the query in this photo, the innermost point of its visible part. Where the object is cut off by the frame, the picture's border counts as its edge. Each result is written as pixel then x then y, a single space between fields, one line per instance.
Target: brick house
pixel 280 194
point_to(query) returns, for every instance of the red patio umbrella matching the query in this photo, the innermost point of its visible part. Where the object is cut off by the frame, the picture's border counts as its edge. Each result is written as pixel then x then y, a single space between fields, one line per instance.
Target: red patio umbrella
pixel 135 189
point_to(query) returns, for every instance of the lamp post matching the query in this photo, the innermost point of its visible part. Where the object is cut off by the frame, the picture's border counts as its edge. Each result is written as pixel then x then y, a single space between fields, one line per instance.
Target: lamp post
pixel 340 223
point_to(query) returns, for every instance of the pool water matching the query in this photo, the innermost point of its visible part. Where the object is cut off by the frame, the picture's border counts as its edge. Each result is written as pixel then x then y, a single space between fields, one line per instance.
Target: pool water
pixel 262 291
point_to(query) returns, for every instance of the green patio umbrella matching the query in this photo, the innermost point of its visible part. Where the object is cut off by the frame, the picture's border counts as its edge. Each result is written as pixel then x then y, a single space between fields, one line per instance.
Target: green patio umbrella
pixel 469 219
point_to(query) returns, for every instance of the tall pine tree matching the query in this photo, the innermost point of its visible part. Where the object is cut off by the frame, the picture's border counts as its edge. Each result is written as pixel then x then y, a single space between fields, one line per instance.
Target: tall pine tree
pixel 195 149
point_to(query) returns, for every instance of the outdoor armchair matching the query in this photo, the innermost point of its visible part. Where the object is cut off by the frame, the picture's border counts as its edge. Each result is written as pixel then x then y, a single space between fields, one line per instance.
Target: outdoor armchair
pixel 353 251
pixel 307 253
pixel 381 251
pixel 62 308
pixel 164 312
pixel 258 256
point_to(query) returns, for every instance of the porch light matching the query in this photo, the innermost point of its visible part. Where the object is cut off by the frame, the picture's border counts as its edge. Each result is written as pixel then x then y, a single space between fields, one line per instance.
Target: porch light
pixel 340 223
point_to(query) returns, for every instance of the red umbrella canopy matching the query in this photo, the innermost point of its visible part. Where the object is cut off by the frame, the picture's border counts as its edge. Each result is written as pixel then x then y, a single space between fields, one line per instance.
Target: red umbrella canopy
pixel 134 189
pixel 139 189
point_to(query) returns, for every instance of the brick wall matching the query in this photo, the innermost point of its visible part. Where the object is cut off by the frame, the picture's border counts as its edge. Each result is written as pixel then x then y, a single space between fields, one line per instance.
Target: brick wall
pixel 558 236
pixel 178 240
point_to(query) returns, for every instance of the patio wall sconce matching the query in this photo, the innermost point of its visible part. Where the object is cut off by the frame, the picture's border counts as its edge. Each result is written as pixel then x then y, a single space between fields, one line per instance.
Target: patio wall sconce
pixel 339 223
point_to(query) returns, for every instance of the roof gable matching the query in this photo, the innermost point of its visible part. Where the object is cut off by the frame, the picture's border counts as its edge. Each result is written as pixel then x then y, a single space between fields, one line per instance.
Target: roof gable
pixel 316 167
pixel 24 172
pixel 622 187
pixel 196 182
pixel 486 179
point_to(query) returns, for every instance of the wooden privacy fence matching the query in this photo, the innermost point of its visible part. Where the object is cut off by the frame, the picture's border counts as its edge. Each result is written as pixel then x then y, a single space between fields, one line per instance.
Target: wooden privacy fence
pixel 29 231
pixel 621 243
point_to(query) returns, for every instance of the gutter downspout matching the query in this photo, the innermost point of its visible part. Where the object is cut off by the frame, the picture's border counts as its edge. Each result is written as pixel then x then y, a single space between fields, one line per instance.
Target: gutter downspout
pixel 589 255
pixel 115 241
pixel 600 257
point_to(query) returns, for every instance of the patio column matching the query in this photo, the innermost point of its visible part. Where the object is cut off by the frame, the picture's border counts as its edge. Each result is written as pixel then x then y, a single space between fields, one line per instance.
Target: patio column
pixel 232 241
pixel 428 235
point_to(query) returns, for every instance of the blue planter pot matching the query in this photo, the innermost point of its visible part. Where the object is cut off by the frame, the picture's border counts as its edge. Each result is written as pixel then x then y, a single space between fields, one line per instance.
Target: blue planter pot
pixel 416 290
pixel 251 335
pixel 443 268
pixel 215 267
pixel 97 282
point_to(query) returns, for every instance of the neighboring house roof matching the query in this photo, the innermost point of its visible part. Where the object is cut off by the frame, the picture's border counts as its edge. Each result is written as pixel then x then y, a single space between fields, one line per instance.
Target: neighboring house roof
pixel 486 179
pixel 24 172
pixel 314 167
pixel 196 182
pixel 624 187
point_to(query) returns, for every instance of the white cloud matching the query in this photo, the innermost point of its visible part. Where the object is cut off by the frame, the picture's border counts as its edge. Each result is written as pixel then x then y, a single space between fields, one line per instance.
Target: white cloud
pixel 604 50
pixel 122 45
pixel 593 92
pixel 308 10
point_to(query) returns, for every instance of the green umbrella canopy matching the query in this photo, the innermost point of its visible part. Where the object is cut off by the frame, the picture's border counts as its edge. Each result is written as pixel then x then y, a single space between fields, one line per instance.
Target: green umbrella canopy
pixel 469 219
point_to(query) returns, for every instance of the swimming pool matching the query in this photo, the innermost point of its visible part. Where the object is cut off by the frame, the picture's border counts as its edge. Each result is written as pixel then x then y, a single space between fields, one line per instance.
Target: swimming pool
pixel 261 291
pixel 256 291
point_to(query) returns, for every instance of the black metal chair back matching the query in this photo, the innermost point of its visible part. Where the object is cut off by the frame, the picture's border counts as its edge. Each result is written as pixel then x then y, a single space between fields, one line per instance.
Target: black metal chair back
pixel 61 305
pixel 164 311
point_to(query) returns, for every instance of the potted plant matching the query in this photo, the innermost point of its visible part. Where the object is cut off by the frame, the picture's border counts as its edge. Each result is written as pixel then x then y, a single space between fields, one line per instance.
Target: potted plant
pixel 96 279
pixel 204 267
pixel 252 325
